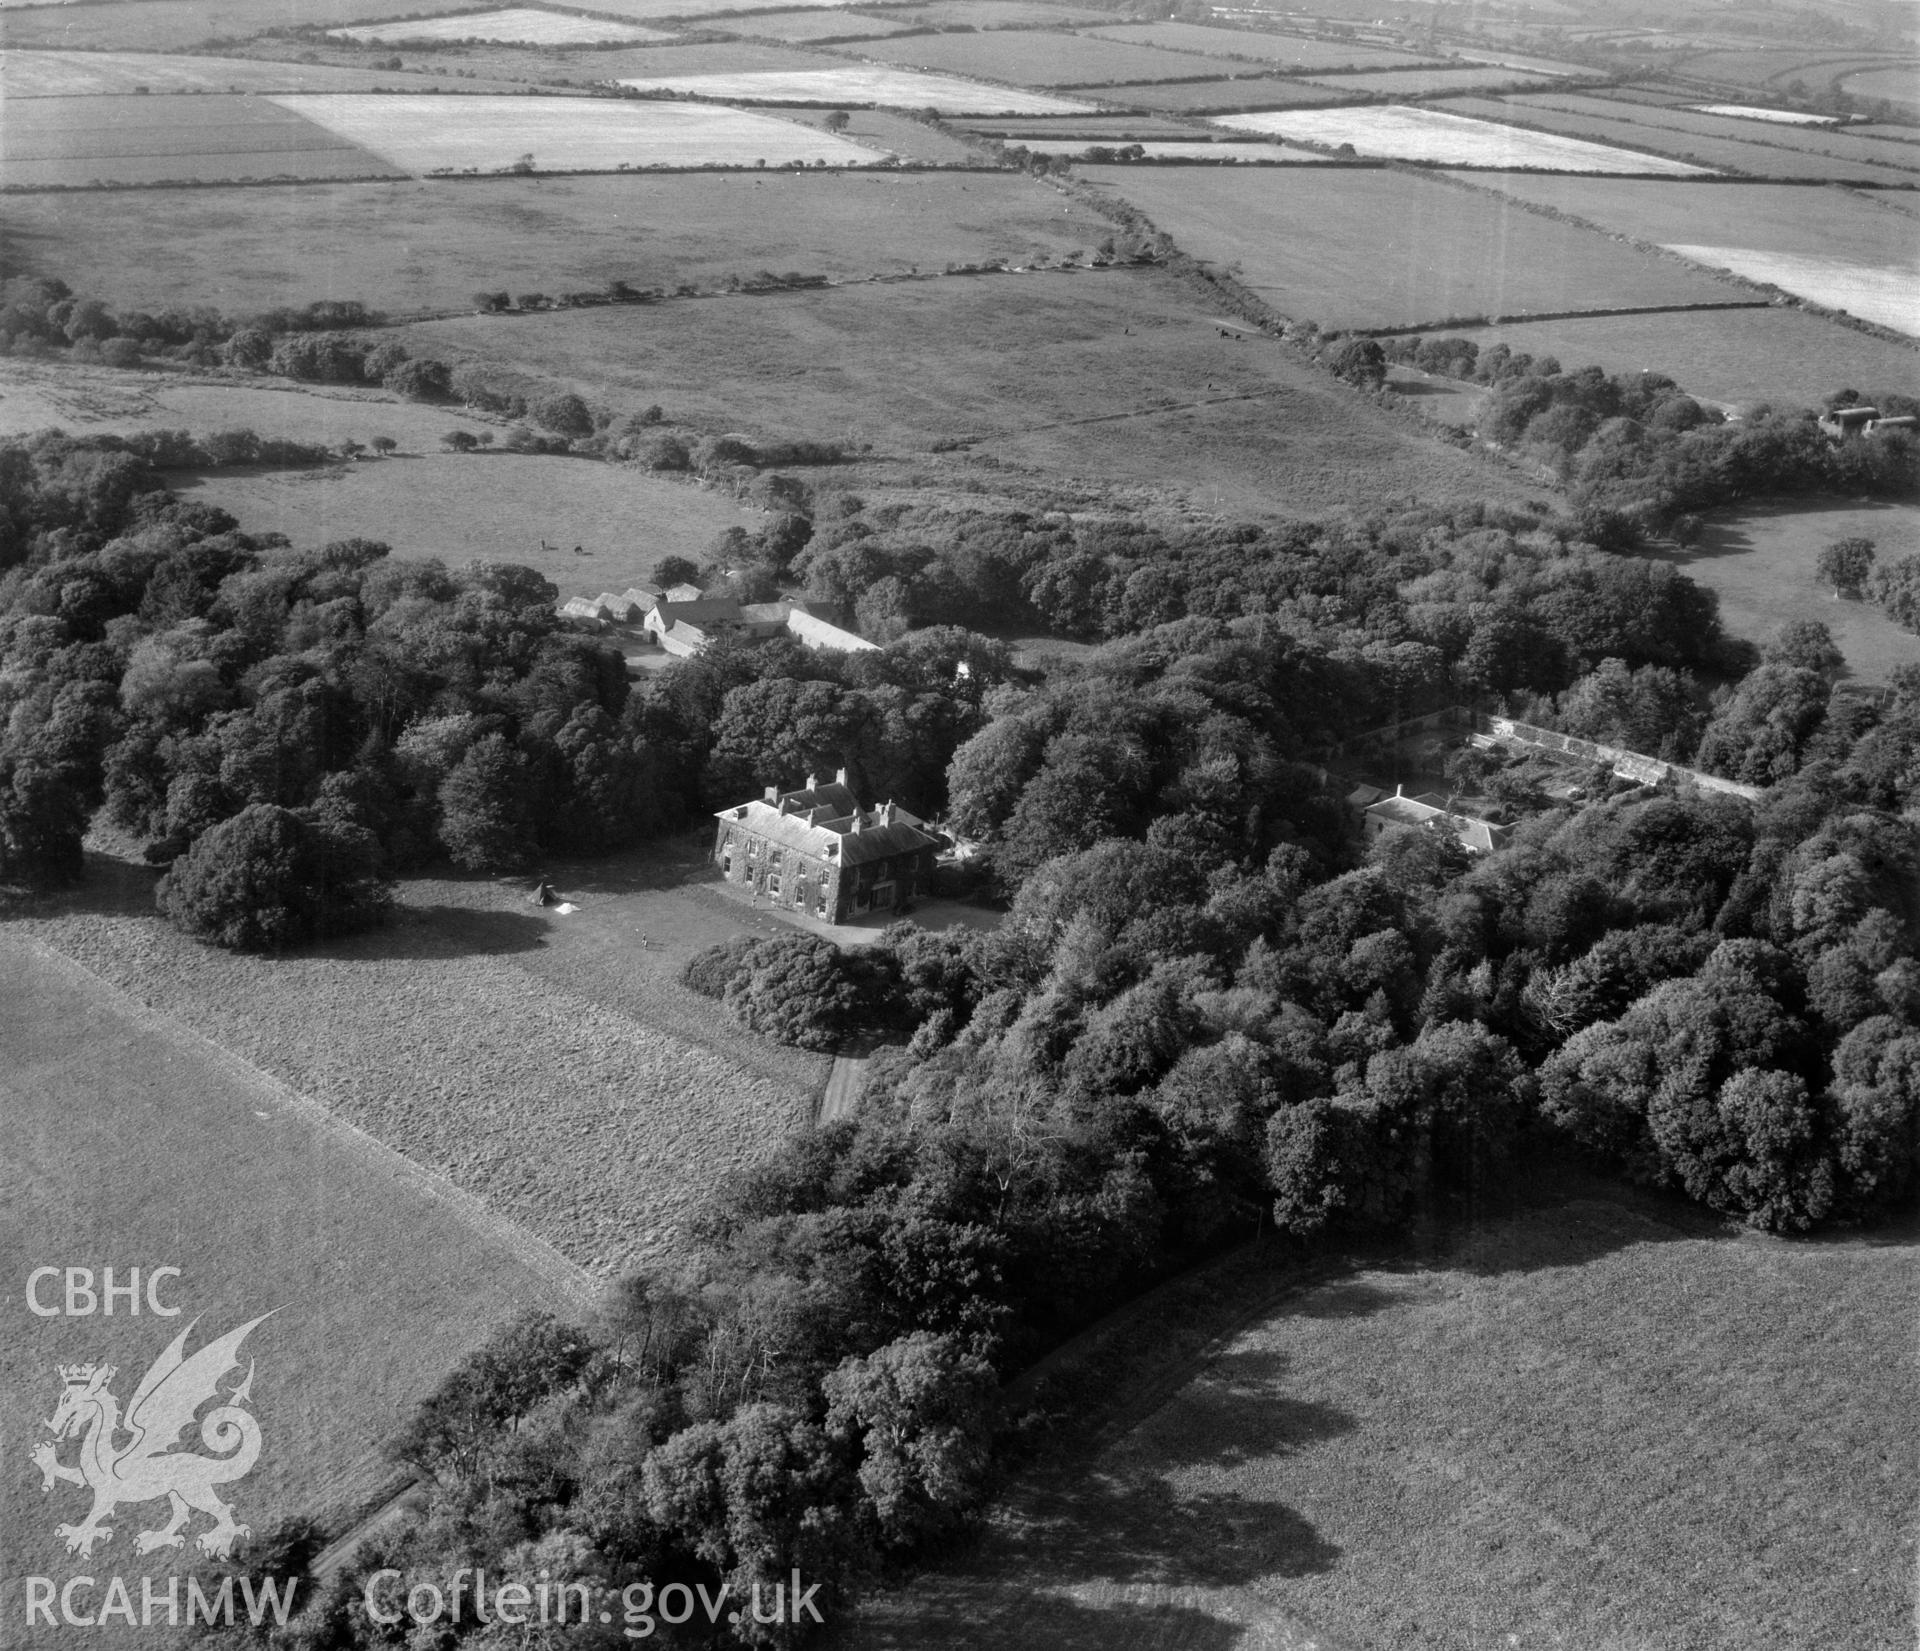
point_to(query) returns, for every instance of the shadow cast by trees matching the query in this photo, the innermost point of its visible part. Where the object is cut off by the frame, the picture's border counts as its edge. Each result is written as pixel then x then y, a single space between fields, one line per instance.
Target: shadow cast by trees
pixel 439 932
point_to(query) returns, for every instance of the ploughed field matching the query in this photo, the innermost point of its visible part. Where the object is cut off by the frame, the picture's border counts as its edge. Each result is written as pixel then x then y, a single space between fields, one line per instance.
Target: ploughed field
pixel 57 74
pixel 1585 1427
pixel 568 1083
pixel 133 1140
pixel 1348 247
pixel 430 246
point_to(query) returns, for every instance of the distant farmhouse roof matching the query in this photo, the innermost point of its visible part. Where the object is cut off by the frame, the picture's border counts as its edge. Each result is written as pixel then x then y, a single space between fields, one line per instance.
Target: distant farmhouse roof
pixel 827 822
pixel 683 620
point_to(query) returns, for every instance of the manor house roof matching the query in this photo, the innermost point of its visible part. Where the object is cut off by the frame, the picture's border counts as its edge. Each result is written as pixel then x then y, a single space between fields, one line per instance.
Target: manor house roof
pixel 828 823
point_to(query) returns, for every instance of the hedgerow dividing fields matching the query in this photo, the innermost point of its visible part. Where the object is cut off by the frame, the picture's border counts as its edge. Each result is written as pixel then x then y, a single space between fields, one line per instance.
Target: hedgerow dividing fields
pixel 1767 155
pixel 180 25
pixel 518 25
pixel 1201 97
pixel 1035 58
pixel 1803 140
pixel 37 74
pixel 1772 217
pixel 1585 1427
pixel 1439 82
pixel 1387 249
pixel 1295 51
pixel 863 83
pixel 429 246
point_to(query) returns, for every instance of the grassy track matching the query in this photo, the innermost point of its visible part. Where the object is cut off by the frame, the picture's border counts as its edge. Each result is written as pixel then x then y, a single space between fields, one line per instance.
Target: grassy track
pixel 1585 1427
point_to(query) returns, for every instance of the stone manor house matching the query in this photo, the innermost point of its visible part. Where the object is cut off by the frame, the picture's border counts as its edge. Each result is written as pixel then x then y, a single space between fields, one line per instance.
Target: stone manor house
pixel 816 850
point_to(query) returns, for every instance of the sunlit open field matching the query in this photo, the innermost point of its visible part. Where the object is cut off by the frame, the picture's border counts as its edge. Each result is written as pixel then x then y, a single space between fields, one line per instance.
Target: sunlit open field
pixel 1889 294
pixel 902 88
pixel 1400 133
pixel 429 134
pixel 518 25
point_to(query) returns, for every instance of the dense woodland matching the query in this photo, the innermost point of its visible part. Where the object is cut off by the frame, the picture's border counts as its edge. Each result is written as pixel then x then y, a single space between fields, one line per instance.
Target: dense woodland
pixel 1207 1010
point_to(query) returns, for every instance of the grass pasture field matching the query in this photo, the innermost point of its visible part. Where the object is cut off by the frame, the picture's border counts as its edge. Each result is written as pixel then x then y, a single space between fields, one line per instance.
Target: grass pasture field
pixel 1599 1424
pixel 428 134
pixel 1778 217
pixel 33 74
pixel 1292 50
pixel 516 25
pixel 430 245
pixel 1767 154
pixel 996 14
pixel 1733 357
pixel 1202 97
pixel 181 25
pixel 803 28
pixel 495 507
pixel 1761 562
pixel 1399 132
pixel 862 83
pixel 82 140
pixel 132 1140
pixel 1032 57
pixel 1392 250
pixel 556 1071
pixel 106 401
pixel 1896 86
pixel 1116 374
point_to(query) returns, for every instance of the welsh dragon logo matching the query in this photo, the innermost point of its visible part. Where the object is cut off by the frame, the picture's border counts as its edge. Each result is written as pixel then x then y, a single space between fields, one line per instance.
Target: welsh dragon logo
pixel 147 1466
